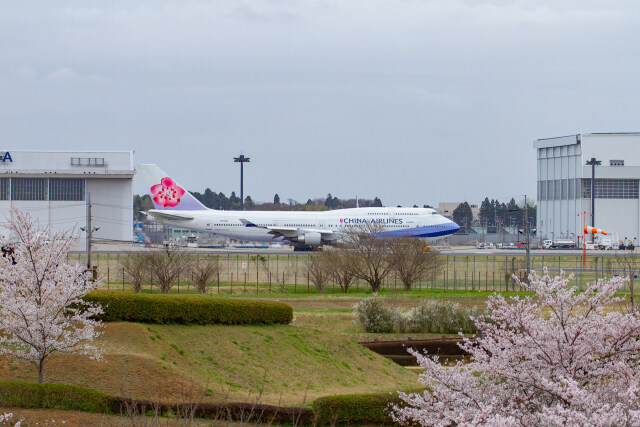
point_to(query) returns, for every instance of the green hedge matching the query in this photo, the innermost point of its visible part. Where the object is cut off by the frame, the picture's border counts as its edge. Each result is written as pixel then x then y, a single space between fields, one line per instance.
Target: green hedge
pixel 355 409
pixel 188 309
pixel 53 396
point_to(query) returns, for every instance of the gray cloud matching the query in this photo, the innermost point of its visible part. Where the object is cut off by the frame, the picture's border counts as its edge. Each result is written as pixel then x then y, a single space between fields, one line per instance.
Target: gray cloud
pixel 414 101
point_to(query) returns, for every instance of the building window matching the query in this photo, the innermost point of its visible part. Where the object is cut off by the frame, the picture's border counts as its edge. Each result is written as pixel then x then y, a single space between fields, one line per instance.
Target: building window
pixel 616 162
pixel 66 189
pixel 543 190
pixel 572 189
pixel 87 161
pixel 550 190
pixel 28 189
pixel 611 188
pixel 558 194
pixel 565 189
pixel 4 188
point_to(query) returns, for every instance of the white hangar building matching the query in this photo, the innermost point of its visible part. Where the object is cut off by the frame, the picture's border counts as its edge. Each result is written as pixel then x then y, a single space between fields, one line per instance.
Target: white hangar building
pixel 564 185
pixel 54 186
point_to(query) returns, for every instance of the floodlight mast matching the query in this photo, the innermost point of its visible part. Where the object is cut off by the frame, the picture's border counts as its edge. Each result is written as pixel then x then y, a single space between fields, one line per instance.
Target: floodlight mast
pixel 242 160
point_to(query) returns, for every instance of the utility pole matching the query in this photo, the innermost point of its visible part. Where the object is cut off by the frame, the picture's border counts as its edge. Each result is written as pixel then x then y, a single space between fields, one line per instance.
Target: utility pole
pixel 89 230
pixel 526 230
pixel 593 163
pixel 242 160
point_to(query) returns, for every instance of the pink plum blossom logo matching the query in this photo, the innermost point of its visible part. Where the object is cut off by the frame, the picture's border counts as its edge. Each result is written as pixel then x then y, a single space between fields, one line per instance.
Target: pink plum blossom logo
pixel 167 193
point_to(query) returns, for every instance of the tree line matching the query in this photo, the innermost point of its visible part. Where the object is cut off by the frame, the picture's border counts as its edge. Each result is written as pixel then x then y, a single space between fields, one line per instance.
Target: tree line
pixel 220 201
pixel 494 214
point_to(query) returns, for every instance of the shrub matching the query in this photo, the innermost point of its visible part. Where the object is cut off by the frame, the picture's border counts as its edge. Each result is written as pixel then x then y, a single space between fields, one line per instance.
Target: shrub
pixel 355 409
pixel 53 396
pixel 440 317
pixel 374 316
pixel 187 309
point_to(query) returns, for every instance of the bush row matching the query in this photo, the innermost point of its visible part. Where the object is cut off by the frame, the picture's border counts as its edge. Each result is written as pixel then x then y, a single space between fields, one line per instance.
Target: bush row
pixel 53 396
pixel 355 409
pixel 187 309
pixel 432 316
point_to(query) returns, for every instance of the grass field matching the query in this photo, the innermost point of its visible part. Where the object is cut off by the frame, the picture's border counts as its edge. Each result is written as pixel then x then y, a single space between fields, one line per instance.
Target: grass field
pixel 290 364
pixel 317 355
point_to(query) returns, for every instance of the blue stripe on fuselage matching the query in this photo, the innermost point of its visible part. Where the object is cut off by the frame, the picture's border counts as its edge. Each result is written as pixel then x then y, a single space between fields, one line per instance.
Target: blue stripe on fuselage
pixel 428 231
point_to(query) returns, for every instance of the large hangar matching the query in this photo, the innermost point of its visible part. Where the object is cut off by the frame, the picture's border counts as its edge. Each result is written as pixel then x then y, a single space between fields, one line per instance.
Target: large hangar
pixel 564 184
pixel 54 186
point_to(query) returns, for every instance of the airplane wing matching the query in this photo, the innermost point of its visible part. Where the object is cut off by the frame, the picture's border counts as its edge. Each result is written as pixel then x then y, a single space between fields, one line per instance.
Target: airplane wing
pixel 287 232
pixel 170 215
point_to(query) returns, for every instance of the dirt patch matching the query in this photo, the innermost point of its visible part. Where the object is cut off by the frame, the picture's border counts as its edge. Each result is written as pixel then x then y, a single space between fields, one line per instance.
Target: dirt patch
pixel 117 375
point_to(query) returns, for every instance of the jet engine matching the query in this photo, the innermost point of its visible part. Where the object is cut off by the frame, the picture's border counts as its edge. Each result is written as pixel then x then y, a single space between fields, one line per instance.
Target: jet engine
pixel 310 239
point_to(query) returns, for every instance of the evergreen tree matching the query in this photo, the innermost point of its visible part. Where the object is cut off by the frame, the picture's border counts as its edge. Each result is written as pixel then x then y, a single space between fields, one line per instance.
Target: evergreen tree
pixel 377 203
pixel 486 211
pixel 328 202
pixel 248 203
pixel 463 216
pixel 276 199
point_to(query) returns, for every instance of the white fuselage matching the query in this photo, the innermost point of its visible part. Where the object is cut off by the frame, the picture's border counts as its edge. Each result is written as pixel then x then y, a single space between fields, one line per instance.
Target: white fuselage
pixel 309 228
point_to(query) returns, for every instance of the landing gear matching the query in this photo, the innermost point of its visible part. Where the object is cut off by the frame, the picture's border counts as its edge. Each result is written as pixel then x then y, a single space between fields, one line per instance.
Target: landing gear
pixel 306 248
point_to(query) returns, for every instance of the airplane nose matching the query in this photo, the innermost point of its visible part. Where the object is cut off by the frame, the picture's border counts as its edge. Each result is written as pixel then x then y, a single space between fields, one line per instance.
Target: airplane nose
pixel 454 227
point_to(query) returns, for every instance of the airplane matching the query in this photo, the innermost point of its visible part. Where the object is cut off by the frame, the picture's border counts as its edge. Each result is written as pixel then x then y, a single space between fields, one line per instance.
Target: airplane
pixel 303 230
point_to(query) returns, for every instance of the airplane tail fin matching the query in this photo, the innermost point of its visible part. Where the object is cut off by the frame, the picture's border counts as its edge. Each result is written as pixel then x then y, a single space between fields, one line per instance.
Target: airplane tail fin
pixel 165 192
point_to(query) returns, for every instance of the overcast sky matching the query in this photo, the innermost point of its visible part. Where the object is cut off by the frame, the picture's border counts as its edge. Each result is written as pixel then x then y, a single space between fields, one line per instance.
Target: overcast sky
pixel 411 101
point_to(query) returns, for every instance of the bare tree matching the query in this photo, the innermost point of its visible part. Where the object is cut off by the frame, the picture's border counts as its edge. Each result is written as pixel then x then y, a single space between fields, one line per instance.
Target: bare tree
pixel 367 253
pixel 339 268
pixel 411 261
pixel 136 267
pixel 204 271
pixel 167 265
pixel 320 270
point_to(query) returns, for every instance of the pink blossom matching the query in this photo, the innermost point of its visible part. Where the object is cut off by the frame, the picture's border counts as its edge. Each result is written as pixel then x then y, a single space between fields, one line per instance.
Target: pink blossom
pixel 40 294
pixel 560 357
pixel 167 193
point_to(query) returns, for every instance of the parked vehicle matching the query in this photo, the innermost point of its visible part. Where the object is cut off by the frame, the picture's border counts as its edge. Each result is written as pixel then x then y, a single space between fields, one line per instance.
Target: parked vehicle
pixel 560 244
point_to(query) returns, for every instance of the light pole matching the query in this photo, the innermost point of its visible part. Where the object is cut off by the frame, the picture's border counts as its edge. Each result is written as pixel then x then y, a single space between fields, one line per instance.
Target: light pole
pixel 593 163
pixel 242 160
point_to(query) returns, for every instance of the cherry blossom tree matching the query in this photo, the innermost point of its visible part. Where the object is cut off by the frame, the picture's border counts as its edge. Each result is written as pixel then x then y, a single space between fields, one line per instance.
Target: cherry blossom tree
pixel 560 357
pixel 41 295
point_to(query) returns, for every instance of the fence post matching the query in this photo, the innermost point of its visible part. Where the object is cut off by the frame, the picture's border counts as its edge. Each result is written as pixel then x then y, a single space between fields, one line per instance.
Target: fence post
pixel 123 278
pixel 269 283
pixel 308 289
pixel 231 283
pixel 218 283
pixel 245 282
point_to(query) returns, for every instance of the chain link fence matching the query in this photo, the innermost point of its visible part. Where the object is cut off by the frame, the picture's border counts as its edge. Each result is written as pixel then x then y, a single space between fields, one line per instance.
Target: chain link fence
pixel 288 274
